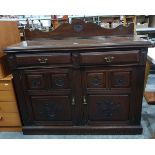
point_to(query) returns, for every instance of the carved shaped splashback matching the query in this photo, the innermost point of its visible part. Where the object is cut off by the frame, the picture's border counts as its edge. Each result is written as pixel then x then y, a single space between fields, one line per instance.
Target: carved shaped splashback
pixel 79 28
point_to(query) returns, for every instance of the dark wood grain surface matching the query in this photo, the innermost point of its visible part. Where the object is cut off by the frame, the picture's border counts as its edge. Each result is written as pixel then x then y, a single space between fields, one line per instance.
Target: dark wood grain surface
pixel 75 43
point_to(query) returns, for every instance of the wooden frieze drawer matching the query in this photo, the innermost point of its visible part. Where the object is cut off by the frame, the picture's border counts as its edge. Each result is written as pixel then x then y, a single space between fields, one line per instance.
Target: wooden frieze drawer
pixel 114 57
pixel 9 119
pixel 43 59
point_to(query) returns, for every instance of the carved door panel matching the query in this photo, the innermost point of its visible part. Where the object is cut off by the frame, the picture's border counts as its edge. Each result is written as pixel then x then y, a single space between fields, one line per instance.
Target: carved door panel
pixel 108 108
pixel 43 79
pixel 94 79
pixel 120 78
pixel 51 110
pixel 61 80
pixel 34 80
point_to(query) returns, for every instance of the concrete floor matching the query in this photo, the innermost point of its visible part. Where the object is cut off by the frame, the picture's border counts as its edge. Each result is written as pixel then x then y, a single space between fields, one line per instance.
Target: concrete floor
pixel 147 121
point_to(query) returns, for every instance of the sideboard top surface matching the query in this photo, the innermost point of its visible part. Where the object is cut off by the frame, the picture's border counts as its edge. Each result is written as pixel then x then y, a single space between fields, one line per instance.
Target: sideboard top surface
pixel 79 43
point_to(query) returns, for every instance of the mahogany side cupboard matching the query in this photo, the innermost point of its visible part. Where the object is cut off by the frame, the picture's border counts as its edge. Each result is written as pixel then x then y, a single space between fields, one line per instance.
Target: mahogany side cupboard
pixel 82 84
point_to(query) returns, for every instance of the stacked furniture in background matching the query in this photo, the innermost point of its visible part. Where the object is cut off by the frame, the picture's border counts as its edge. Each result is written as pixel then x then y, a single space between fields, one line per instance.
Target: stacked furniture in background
pixel 9 115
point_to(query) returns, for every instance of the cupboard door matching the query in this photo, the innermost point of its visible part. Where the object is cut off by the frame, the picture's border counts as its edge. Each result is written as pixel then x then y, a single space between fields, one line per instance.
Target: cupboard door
pixel 50 96
pixel 51 108
pixel 108 108
pixel 107 95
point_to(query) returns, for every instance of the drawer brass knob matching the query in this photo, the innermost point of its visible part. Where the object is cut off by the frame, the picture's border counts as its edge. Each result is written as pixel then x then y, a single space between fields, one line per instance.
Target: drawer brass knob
pixel 1 118
pixel 42 60
pixel 109 59
pixel 84 100
pixel 73 101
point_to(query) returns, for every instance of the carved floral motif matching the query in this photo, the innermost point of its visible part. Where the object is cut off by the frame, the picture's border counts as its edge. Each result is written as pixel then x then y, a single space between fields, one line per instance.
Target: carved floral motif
pixel 50 109
pixel 108 108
